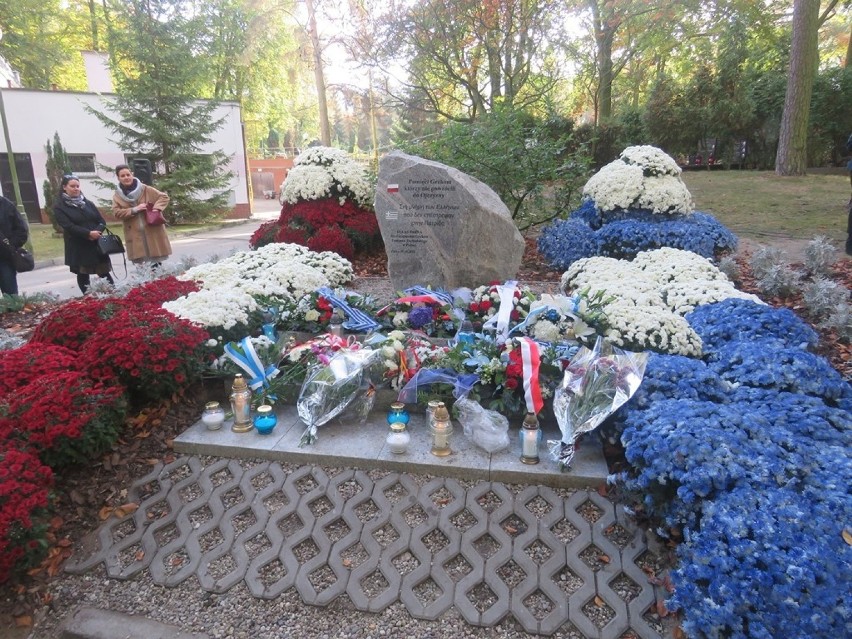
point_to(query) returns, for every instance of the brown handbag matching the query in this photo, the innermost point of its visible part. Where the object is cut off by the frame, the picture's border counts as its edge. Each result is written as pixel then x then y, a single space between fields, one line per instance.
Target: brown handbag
pixel 154 217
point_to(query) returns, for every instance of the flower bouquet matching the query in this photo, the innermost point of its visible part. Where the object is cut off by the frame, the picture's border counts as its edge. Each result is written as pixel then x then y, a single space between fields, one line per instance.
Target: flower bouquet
pixel 497 305
pixel 596 383
pixel 428 313
pixel 333 385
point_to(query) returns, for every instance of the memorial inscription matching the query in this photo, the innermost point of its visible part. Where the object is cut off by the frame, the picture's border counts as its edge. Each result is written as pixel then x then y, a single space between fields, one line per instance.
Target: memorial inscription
pixel 442 227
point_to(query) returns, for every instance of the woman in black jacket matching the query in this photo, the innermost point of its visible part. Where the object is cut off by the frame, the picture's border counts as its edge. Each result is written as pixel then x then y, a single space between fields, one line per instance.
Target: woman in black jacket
pixel 13 234
pixel 82 225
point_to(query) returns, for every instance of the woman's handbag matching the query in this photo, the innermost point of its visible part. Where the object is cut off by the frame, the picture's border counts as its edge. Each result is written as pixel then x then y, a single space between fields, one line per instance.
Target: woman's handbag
pixel 109 243
pixel 154 217
pixel 22 260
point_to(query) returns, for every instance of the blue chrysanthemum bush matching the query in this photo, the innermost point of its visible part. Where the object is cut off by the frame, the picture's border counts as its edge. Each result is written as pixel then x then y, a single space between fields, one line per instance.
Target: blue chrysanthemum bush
pixel 636 203
pixel 744 455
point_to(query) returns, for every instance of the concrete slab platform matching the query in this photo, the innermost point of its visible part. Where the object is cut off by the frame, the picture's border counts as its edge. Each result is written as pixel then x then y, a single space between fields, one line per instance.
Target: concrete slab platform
pixel 362 445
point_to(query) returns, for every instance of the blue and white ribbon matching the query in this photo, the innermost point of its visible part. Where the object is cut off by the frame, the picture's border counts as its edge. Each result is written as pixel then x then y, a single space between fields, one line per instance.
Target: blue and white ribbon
pixel 249 361
pixel 442 296
pixel 500 321
pixel 521 328
pixel 358 321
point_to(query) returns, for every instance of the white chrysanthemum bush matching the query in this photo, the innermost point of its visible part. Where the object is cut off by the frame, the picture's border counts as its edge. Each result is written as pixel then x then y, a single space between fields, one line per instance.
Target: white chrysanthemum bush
pixel 636 203
pixel 326 205
pixel 238 289
pixel 651 295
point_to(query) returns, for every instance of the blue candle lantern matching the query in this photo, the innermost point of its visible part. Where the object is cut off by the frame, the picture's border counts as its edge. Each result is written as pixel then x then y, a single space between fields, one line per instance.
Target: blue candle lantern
pixel 398 414
pixel 265 419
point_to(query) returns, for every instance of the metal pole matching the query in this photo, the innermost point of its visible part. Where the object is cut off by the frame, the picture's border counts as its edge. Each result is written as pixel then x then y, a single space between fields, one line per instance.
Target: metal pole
pixel 13 169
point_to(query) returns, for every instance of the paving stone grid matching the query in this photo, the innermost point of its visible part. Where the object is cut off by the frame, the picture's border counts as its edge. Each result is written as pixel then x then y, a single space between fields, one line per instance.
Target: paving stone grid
pixel 556 560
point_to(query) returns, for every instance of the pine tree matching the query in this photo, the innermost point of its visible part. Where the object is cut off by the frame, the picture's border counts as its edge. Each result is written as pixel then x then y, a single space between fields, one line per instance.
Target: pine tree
pixel 155 113
pixel 56 166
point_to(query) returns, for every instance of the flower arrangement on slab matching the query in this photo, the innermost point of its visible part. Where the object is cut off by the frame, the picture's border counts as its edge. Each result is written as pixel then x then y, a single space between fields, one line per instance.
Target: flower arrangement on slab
pixel 635 203
pixel 326 205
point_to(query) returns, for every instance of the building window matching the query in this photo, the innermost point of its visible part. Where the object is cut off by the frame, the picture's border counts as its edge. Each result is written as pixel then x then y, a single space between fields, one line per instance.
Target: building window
pixel 82 163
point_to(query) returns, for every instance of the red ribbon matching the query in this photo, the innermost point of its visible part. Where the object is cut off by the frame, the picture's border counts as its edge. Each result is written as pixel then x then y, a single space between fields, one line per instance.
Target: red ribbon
pixel 531 361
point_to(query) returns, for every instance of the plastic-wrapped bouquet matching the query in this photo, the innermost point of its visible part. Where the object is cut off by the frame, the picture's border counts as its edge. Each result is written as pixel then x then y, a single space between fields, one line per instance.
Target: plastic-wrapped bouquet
pixel 331 387
pixel 596 383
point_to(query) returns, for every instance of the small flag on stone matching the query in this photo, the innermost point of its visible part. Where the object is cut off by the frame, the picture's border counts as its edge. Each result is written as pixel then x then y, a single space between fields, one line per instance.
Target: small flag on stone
pixel 393 188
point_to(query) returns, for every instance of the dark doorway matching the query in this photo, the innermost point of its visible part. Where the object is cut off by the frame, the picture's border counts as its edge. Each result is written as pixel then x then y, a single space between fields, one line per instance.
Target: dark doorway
pixel 26 180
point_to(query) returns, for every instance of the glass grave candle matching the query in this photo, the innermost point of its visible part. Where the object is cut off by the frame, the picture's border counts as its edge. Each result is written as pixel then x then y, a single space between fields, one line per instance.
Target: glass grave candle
pixel 213 416
pixel 265 419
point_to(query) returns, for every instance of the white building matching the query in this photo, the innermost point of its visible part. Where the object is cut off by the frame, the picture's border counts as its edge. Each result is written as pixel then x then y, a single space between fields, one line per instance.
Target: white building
pixel 34 116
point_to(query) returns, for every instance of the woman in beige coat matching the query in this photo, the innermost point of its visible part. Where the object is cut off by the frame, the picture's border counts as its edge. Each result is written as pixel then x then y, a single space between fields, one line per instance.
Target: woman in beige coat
pixel 143 242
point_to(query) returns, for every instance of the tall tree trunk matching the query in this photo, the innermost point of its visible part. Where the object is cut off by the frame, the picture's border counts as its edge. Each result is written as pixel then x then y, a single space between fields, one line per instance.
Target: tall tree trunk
pixel 605 27
pixel 93 21
pixel 319 77
pixel 848 49
pixel 792 142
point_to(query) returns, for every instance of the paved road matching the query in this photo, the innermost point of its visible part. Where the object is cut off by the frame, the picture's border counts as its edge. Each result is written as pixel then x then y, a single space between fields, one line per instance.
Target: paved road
pixel 54 277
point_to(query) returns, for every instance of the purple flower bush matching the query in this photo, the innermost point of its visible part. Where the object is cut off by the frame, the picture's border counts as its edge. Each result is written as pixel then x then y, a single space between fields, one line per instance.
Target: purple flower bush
pixel 745 454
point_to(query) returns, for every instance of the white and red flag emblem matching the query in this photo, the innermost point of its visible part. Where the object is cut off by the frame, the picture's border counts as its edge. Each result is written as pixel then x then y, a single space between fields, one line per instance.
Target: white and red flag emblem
pixel 393 188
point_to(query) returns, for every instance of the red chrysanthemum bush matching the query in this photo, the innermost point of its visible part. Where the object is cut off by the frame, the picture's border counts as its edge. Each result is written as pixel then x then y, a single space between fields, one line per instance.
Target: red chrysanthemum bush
pixel 74 322
pixel 326 225
pixel 24 509
pixel 32 360
pixel 265 234
pixel 149 350
pixel 155 292
pixel 64 417
pixel 332 238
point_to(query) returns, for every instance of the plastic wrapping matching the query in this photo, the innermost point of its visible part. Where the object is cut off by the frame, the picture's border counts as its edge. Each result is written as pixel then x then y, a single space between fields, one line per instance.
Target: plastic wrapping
pixel 329 388
pixel 596 383
pixel 488 429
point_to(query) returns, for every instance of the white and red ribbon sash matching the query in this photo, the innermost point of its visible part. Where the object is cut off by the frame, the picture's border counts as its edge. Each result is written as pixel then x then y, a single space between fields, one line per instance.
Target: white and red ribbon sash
pixel 531 361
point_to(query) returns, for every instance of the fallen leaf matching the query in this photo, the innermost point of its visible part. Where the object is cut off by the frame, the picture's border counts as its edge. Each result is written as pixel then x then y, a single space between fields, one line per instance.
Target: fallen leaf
pixel 604 559
pixel 140 555
pixel 126 509
pixel 347 563
pixel 678 633
pixel 847 536
pixel 64 542
pixel 105 513
pixel 56 522
pixel 599 602
pixel 24 621
pixel 661 608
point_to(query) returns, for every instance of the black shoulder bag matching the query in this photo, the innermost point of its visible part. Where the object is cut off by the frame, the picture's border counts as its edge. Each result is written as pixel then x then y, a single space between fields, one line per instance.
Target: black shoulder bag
pixel 110 244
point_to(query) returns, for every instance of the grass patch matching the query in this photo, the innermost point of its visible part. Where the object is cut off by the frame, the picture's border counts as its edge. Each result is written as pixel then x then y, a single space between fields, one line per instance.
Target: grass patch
pixel 759 204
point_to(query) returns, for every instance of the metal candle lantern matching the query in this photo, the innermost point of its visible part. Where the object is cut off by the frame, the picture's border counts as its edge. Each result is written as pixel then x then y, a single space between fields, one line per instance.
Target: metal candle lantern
pixel 241 405
pixel 530 435
pixel 441 430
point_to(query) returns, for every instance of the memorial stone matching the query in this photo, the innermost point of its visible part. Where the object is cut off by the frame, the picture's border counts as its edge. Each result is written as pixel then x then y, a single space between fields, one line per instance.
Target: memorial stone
pixel 441 227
